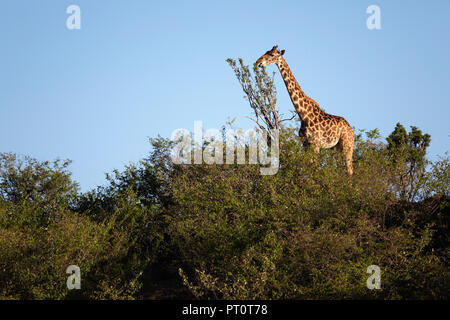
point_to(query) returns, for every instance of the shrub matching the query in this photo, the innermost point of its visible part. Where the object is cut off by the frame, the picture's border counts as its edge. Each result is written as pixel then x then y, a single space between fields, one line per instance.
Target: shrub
pixel 160 230
pixel 307 232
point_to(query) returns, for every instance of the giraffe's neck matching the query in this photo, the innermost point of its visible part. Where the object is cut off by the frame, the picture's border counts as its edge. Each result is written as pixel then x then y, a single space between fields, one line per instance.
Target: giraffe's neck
pixel 302 103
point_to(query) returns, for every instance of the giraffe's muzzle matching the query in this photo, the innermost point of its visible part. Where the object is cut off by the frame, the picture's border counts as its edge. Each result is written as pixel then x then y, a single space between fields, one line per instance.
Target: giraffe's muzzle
pixel 259 62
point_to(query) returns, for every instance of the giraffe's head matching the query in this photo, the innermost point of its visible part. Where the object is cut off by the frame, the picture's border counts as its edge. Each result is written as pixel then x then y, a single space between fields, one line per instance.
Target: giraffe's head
pixel 270 57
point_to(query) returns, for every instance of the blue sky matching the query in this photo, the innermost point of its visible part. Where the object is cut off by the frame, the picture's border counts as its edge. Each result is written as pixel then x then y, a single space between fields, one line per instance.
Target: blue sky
pixel 141 68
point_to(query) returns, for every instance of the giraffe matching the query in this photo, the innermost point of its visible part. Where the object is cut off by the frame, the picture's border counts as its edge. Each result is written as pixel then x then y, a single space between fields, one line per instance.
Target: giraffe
pixel 321 130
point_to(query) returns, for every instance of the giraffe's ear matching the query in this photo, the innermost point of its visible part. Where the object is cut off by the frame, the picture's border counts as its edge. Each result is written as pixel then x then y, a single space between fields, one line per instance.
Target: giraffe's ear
pixel 282 52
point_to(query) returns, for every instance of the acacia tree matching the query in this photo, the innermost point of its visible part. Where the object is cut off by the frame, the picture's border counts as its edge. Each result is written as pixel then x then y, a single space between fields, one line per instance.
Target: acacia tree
pixel 261 94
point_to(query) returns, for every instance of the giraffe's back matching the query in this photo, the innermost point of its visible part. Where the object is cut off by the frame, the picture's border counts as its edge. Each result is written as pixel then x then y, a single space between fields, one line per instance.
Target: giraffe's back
pixel 327 130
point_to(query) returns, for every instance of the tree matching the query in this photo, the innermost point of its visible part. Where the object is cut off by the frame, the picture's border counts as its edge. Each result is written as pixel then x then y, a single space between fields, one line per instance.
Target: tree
pixel 261 93
pixel 27 183
pixel 407 152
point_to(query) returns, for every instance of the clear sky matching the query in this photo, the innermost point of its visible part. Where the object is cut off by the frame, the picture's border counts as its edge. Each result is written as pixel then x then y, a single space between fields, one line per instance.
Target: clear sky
pixel 136 69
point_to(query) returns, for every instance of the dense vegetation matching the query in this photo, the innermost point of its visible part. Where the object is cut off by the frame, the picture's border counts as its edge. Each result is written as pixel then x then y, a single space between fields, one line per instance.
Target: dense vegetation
pixel 159 230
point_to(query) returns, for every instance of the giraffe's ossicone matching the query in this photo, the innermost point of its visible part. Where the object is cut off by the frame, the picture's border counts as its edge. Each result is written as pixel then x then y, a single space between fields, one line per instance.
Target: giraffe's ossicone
pixel 320 129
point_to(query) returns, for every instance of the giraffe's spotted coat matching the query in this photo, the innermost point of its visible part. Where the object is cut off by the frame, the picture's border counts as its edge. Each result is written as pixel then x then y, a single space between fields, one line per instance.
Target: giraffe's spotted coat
pixel 322 130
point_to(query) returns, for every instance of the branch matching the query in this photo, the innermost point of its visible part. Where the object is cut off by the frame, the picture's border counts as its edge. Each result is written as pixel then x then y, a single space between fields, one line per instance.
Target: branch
pixel 288 119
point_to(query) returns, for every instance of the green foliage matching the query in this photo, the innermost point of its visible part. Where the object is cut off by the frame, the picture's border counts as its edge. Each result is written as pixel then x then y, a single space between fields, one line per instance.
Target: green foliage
pixel 407 153
pixel 34 190
pixel 34 261
pixel 159 230
pixel 41 235
pixel 306 232
pixel 437 180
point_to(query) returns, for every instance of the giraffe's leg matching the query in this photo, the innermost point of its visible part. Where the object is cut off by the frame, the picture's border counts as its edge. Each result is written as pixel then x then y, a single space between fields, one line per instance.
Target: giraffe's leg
pixel 316 149
pixel 346 144
pixel 302 136
pixel 349 161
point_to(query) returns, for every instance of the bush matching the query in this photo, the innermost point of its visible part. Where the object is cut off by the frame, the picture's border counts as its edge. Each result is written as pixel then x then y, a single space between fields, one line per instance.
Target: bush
pixel 306 232
pixel 41 235
pixel 34 261
pixel 160 230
